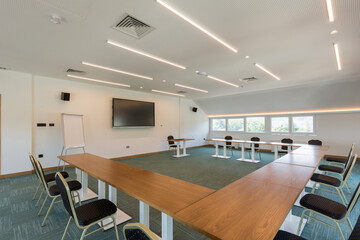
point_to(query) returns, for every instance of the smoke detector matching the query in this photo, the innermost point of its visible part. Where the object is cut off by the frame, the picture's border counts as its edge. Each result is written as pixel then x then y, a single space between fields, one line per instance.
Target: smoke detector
pixel 201 73
pixel 55 19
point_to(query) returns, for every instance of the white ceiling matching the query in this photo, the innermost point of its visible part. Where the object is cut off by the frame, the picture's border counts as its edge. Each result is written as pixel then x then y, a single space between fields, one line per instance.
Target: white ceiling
pixel 290 38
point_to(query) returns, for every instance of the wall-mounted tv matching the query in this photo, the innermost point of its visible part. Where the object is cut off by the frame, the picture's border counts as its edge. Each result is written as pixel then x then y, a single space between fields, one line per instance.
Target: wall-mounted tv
pixel 131 113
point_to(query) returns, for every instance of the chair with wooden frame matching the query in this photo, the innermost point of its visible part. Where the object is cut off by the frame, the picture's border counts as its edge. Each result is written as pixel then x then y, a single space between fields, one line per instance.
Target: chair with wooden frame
pixel 53 191
pixel 88 214
pixel 50 177
pixel 334 182
pixel 329 209
pixel 138 231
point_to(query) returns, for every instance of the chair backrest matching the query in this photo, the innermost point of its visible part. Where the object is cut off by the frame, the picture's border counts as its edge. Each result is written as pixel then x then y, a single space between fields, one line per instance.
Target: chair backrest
pixel 353 200
pixel 349 168
pixel 315 142
pixel 286 140
pixel 355 234
pixel 138 231
pixel 228 138
pixel 40 171
pixel 255 139
pixel 170 137
pixel 65 194
pixel 31 157
pixel 350 154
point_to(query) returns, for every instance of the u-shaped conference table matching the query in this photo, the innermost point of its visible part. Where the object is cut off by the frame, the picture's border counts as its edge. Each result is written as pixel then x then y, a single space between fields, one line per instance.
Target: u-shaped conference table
pixel 253 207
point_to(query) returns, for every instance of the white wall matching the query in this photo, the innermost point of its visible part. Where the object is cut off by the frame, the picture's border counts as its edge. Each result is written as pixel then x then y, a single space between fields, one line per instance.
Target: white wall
pixel 337 130
pixel 16 120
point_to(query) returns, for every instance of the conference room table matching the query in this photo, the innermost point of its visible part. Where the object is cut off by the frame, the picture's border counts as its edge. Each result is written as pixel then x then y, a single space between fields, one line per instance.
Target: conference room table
pixel 252 143
pixel 255 206
pixel 183 140
pixel 166 194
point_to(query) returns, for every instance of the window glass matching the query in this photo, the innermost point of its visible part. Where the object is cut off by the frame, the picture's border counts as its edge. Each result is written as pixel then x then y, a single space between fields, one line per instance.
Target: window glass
pixel 279 124
pixel 235 124
pixel 218 125
pixel 303 124
pixel 255 124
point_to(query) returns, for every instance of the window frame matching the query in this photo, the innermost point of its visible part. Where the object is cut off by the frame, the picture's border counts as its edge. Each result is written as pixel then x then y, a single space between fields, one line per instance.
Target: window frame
pixel 227 124
pixel 246 122
pixel 304 133
pixel 212 125
pixel 289 124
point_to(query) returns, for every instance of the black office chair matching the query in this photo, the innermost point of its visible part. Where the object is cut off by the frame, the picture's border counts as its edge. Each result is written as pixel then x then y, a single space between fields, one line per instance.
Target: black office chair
pixel 138 231
pixel 171 143
pixel 315 142
pixel 50 177
pixel 256 146
pixel 329 209
pixel 53 191
pixel 229 144
pixel 284 149
pixel 339 161
pixel 282 235
pixel 88 214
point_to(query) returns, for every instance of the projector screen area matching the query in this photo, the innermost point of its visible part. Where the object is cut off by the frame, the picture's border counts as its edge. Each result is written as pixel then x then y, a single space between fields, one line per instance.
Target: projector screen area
pixel 131 113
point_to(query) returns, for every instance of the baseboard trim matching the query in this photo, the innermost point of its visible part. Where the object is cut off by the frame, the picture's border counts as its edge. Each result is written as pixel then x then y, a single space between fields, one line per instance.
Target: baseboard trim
pixel 29 172
pixel 153 153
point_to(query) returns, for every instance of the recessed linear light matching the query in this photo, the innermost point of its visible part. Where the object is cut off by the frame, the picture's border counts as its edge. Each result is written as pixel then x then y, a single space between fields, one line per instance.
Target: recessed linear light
pixel 247 57
pixel 330 10
pixel 168 93
pixel 267 71
pixel 163 80
pixel 196 89
pixel 144 54
pixel 196 25
pixel 334 32
pixel 337 55
pixel 116 70
pixel 220 80
pixel 97 80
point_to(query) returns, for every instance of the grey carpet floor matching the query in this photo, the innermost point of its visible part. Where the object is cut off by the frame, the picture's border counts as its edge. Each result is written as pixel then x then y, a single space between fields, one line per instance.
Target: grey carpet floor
pixel 19 220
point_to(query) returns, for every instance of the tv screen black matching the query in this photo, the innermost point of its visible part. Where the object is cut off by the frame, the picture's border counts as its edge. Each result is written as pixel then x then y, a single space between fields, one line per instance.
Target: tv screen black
pixel 131 113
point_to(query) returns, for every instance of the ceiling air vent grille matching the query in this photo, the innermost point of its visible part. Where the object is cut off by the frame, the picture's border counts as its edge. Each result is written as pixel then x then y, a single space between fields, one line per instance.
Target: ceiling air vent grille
pixel 181 92
pixel 133 27
pixel 248 79
pixel 70 70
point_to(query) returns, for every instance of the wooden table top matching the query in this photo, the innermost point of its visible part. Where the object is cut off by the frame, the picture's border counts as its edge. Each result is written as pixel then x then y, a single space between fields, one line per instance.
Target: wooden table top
pixel 181 139
pixel 166 194
pixel 256 142
pixel 245 209
pixel 308 157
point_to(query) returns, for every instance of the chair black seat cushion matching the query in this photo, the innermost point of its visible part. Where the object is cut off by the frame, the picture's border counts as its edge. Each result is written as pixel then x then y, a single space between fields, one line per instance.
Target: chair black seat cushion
pixel 173 145
pixel 355 235
pixel 321 178
pixel 73 186
pixel 94 211
pixel 249 149
pixel 285 152
pixel 330 168
pixel 337 160
pixel 135 234
pixel 282 235
pixel 323 205
pixel 51 176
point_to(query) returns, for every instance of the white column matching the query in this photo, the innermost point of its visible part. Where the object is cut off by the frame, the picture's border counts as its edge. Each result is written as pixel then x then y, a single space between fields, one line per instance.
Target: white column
pixel 144 214
pixel 184 149
pixel 112 194
pixel 276 152
pixel 166 227
pixel 224 150
pixel 177 149
pixel 101 189
pixel 84 184
pixel 243 151
pixel 252 152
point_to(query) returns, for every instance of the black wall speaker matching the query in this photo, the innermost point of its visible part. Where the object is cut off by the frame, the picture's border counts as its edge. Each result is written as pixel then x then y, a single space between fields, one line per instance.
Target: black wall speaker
pixel 65 96
pixel 194 109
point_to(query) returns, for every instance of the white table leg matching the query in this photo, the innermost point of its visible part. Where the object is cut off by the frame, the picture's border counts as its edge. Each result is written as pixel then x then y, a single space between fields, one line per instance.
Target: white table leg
pixel 184 148
pixel 101 189
pixel 291 223
pixel 177 150
pixel 120 215
pixel 224 149
pixel 243 154
pixel 144 214
pixel 252 152
pixel 166 227
pixel 216 150
pixel 276 152
pixel 78 174
pixel 242 151
pixel 85 193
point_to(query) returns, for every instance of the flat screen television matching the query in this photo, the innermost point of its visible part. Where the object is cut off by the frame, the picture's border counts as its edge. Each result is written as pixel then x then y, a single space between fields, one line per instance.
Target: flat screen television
pixel 131 113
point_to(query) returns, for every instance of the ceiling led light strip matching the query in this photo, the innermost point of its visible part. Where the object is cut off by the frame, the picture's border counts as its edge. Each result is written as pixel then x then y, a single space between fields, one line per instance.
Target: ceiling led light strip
pixel 222 81
pixel 97 80
pixel 330 10
pixel 144 54
pixel 196 25
pixel 168 93
pixel 196 89
pixel 116 70
pixel 267 71
pixel 337 55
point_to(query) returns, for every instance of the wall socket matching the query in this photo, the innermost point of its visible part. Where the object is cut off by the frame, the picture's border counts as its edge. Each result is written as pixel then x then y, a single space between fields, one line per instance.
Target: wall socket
pixel 41 155
pixel 127 146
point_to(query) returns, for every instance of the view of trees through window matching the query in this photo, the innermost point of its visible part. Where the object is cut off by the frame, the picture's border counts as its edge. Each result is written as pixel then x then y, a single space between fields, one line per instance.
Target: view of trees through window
pixel 255 124
pixel 218 125
pixel 303 124
pixel 279 124
pixel 235 124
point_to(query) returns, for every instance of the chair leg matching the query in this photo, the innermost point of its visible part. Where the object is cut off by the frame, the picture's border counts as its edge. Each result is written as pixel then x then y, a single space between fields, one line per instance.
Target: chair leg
pixel 344 196
pixel 347 186
pixel 300 223
pixel 116 230
pixel 47 214
pixel 341 196
pixel 339 230
pixel 42 192
pixel 66 229
pixel 313 188
pixel 348 221
pixel 83 234
pixel 36 191
pixel 259 154
pixel 39 213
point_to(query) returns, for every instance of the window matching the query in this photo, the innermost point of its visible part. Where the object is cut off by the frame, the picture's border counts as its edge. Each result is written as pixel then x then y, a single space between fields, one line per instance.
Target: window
pixel 279 124
pixel 303 124
pixel 235 124
pixel 218 124
pixel 255 124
